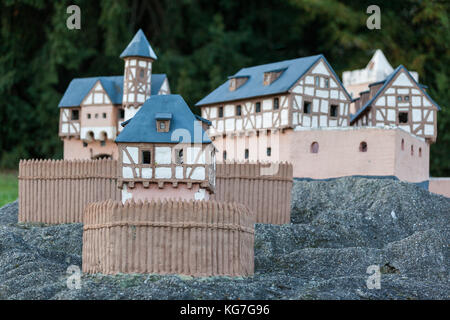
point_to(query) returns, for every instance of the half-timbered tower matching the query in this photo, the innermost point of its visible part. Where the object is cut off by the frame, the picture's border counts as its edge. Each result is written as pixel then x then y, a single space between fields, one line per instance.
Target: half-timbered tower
pixel 398 101
pixel 165 152
pixel 257 109
pixel 92 109
pixel 138 57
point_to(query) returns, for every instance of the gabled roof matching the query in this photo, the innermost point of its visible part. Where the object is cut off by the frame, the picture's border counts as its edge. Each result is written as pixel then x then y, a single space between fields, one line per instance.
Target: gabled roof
pixel 80 87
pixel 139 47
pixel 386 82
pixel 142 127
pixel 293 70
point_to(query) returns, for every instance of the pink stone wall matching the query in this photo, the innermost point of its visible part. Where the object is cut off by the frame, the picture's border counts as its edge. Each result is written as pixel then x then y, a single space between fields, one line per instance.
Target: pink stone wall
pixel 73 149
pixel 411 167
pixel 338 154
pixel 235 146
pixel 153 192
pixel 440 186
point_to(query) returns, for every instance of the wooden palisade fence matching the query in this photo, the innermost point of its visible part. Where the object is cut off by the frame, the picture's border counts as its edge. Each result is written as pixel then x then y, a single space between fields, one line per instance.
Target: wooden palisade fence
pixel 263 187
pixel 57 191
pixel 200 238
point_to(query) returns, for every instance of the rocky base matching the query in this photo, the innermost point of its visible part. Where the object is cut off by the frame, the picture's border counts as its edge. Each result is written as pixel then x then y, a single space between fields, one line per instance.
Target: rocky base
pixel 339 228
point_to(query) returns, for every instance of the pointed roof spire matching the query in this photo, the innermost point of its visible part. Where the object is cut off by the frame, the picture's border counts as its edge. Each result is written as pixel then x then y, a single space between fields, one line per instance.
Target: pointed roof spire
pixel 380 65
pixel 139 47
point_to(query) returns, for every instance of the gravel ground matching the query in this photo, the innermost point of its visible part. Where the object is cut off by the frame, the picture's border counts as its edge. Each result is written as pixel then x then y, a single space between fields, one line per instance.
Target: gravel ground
pixel 338 229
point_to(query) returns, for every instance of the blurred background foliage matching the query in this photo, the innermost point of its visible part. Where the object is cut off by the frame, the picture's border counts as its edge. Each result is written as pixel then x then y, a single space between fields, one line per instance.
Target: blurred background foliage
pixel 199 43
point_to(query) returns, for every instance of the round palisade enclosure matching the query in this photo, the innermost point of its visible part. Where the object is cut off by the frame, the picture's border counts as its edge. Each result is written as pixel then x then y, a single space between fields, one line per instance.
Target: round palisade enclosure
pixel 198 238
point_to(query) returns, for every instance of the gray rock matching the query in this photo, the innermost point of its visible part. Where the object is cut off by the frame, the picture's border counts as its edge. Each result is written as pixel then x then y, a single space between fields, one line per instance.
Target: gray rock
pixel 339 228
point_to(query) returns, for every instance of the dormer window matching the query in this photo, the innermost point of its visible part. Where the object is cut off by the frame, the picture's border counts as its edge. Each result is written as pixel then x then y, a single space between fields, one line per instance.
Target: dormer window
pixel 271 76
pixel 163 122
pixel 236 82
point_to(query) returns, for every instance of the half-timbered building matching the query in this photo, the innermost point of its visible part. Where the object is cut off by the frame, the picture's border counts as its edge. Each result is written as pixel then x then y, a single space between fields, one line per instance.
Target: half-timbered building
pixel 165 152
pixel 398 101
pixel 92 109
pixel 254 112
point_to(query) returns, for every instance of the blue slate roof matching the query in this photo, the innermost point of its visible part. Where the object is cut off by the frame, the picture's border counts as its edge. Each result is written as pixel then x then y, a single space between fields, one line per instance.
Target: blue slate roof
pixel 139 47
pixel 387 81
pixel 80 87
pixel 142 127
pixel 203 120
pixel 293 70
pixel 163 116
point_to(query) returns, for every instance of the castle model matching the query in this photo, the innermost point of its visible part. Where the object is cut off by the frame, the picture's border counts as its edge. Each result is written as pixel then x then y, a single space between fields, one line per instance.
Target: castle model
pixel 380 122
pixel 160 203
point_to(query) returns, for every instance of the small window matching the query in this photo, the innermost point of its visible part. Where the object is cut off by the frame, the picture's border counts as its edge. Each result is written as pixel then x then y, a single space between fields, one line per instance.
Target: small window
pixel 412 150
pixel 403 144
pixel 266 78
pixel 96 115
pixel 85 144
pixel 238 110
pixel 276 104
pixel 75 115
pixel 246 154
pixel 162 125
pixel 141 73
pixel 220 112
pixel 224 154
pixel 306 107
pixel 103 143
pixel 399 98
pixel 269 152
pixel 179 156
pixel 363 147
pixel 317 81
pixel 406 98
pixel 314 147
pixel 146 157
pixel 121 114
pixel 420 152
pixel 403 117
pixel 333 111
pixel 258 107
pixel 88 115
pixel 327 83
pixel 104 115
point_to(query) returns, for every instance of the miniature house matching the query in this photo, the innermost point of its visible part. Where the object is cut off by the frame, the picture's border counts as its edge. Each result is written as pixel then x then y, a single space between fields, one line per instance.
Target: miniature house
pixel 298 111
pixel 398 101
pixel 257 111
pixel 92 109
pixel 164 152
